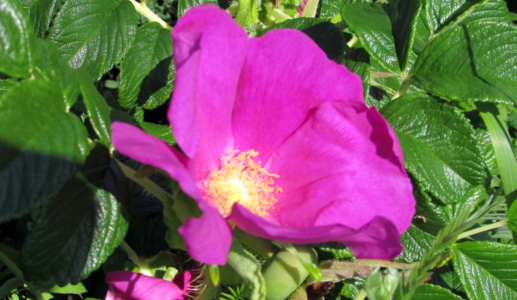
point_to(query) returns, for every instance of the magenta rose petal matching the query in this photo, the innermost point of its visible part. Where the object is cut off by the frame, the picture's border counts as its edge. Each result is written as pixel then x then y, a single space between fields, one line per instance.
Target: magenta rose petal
pixel 138 145
pixel 378 239
pixel 349 171
pixel 341 176
pixel 208 239
pixel 125 285
pixel 284 76
pixel 209 49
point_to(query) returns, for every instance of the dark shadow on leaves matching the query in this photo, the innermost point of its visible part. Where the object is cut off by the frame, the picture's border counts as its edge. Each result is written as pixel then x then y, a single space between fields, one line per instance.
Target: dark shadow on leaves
pixel 28 179
pixel 155 80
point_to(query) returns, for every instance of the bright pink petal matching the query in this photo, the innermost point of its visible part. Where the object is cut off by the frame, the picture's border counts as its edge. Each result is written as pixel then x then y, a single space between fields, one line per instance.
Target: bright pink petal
pixel 377 239
pixel 207 238
pixel 284 76
pixel 342 179
pixel 125 285
pixel 209 49
pixel 343 166
pixel 143 147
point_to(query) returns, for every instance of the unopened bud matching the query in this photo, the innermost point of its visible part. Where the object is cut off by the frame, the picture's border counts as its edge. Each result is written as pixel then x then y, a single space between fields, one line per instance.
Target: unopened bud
pixel 284 273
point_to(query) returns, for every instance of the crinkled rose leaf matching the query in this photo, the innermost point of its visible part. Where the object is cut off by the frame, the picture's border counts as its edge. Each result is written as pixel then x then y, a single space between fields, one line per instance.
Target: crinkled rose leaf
pixel 486 269
pixel 439 145
pixel 147 71
pixel 77 230
pixel 42 147
pixel 17 41
pixel 41 14
pixel 460 65
pixel 80 32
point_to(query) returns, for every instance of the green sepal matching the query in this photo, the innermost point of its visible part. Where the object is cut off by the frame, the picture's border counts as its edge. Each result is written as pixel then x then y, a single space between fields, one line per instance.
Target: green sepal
pixel 249 268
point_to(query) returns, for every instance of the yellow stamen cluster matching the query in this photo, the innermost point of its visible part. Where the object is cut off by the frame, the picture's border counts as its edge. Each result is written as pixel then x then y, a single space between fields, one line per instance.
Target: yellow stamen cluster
pixel 241 180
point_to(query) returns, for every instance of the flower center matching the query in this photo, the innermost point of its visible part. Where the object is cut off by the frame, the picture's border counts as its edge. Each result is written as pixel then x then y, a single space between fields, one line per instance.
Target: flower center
pixel 241 180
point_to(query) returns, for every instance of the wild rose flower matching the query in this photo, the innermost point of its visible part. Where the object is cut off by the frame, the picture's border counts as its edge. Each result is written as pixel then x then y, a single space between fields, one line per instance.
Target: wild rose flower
pixel 124 285
pixel 276 139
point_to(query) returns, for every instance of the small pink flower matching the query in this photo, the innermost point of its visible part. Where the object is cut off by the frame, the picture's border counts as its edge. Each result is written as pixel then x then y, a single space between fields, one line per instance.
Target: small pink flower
pixel 276 139
pixel 124 285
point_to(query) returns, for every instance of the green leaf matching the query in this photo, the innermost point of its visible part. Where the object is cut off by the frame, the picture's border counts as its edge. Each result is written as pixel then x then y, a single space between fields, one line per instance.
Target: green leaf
pixel 446 277
pixel 437 215
pixel 6 84
pixel 247 13
pixel 17 40
pixel 96 165
pixel 331 8
pixel 493 11
pixel 505 155
pixel 184 5
pixel 163 132
pixel 487 148
pixel 97 108
pixel 512 217
pixel 40 145
pixel 94 34
pixel 76 289
pixel 358 62
pixel 415 242
pixel 75 233
pixel 350 290
pixel 41 13
pixel 483 73
pixel 371 23
pixel 51 67
pixel 439 146
pixel 487 269
pixel 147 71
pixel 214 274
pixel 404 15
pixel 248 267
pixel 10 285
pixel 12 254
pixel 328 37
pixel 440 13
pixel 433 292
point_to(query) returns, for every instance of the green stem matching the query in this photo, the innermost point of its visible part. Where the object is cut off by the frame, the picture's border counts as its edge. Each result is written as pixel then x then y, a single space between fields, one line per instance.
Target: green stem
pixel 310 9
pixel 179 206
pixel 12 266
pixel 352 41
pixel 374 74
pixel 144 269
pixel 149 14
pixel 361 295
pixel 275 13
pixel 482 229
pixel 146 183
pixel 404 87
